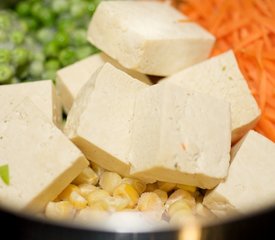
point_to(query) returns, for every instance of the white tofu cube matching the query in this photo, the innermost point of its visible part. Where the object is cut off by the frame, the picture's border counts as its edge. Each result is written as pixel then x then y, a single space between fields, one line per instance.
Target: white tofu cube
pixel 72 78
pixel 99 122
pixel 180 136
pixel 250 182
pixel 42 93
pixel 41 160
pixel 220 77
pixel 148 36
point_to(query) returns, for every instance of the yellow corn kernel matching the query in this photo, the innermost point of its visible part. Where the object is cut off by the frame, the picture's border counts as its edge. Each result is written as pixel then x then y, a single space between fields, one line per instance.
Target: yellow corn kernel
pixel 85 189
pixel 137 184
pixel 63 210
pixel 149 201
pixel 88 175
pixel 91 216
pixel 65 195
pixel 187 188
pixel 115 203
pixel 162 194
pixel 181 194
pixel 99 170
pixel 181 216
pixel 167 187
pixel 151 187
pixel 77 200
pixel 177 206
pixel 109 181
pixel 96 195
pixel 127 191
pixel 99 205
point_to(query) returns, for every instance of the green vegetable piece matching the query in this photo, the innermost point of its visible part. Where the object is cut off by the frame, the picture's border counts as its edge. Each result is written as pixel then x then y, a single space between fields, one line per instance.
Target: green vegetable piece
pixel 20 56
pixel 4 174
pixel 17 37
pixel 5 21
pixel 84 51
pixel 62 39
pixel 60 6
pixel 23 8
pixel 5 55
pixel 91 7
pixel 6 73
pixel 67 57
pixel 51 49
pixel 66 24
pixel 46 16
pixel 36 69
pixel 45 35
pixel 52 64
pixel 79 9
pixel 32 24
pixel 79 37
pixel 36 9
pixel 3 36
pixel 50 74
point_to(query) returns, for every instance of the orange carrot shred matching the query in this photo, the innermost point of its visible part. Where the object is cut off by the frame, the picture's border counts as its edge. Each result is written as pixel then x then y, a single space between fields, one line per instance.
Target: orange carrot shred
pixel 247 27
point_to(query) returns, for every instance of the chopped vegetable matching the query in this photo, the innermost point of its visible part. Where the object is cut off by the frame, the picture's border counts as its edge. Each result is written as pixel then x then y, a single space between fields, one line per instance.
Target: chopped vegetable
pixel 248 27
pixel 4 173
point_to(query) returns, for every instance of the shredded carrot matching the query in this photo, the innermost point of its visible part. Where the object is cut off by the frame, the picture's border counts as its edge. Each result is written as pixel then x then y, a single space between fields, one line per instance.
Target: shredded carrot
pixel 247 27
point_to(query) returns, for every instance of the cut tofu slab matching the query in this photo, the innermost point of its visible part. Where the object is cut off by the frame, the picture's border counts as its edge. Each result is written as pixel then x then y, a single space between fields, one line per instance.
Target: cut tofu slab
pixel 180 136
pixel 250 182
pixel 220 77
pixel 148 36
pixel 99 122
pixel 72 78
pixel 41 160
pixel 42 93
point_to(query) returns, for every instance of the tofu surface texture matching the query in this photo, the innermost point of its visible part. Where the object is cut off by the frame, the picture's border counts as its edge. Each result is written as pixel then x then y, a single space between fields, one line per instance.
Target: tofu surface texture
pixel 148 36
pixel 250 182
pixel 72 78
pixel 220 77
pixel 99 122
pixel 41 160
pixel 42 93
pixel 180 136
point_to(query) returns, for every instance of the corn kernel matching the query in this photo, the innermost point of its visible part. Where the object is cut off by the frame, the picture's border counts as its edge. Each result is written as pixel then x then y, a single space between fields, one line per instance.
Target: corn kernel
pixel 91 216
pixel 65 195
pixel 99 170
pixel 151 187
pixel 149 201
pixel 203 212
pixel 125 190
pixel 137 184
pixel 85 189
pixel 63 210
pixel 99 205
pixel 115 203
pixel 109 181
pixel 180 217
pixel 77 200
pixel 97 195
pixel 88 175
pixel 167 187
pixel 177 206
pixel 181 194
pixel 162 194
pixel 187 188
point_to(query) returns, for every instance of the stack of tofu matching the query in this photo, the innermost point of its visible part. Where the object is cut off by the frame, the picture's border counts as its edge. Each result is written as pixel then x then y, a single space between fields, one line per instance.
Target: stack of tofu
pixel 180 130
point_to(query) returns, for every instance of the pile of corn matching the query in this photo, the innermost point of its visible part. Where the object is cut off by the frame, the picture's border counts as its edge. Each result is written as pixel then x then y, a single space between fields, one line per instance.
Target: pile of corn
pixel 96 190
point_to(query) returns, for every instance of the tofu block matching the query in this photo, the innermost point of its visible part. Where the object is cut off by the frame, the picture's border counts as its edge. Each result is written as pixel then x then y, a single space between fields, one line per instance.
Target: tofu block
pixel 42 93
pixel 41 160
pixel 72 78
pixel 220 77
pixel 180 136
pixel 99 122
pixel 250 182
pixel 148 36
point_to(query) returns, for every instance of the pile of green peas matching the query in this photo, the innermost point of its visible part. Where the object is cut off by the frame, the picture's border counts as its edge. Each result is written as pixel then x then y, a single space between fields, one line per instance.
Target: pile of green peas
pixel 38 37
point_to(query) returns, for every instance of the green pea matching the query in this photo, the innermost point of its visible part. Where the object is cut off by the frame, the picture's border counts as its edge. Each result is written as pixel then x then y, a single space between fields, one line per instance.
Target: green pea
pixel 52 64
pixel 51 49
pixel 17 37
pixel 83 52
pixel 5 21
pixel 66 24
pixel 60 6
pixel 36 9
pixel 79 37
pixel 5 55
pixel 91 7
pixel 62 39
pixel 20 56
pixel 36 69
pixel 3 36
pixel 38 55
pixel 6 73
pixel 67 57
pixel 45 35
pixel 46 16
pixel 31 23
pixel 23 8
pixel 79 9
pixel 50 74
